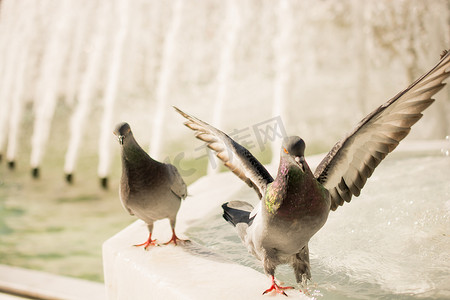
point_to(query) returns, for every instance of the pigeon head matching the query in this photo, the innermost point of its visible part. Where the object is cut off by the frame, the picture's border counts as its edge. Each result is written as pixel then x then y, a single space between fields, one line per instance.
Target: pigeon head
pixel 294 147
pixel 122 131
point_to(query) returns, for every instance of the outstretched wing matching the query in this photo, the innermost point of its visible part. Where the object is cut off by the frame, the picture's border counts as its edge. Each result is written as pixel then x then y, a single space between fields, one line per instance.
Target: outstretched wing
pixel 351 161
pixel 237 158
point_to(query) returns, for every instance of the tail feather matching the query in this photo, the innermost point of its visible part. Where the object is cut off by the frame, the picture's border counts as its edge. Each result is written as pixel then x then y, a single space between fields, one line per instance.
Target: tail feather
pixel 235 212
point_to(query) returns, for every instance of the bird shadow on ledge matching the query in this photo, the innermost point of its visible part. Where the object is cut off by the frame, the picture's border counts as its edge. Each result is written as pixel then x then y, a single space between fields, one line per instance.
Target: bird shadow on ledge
pixel 196 249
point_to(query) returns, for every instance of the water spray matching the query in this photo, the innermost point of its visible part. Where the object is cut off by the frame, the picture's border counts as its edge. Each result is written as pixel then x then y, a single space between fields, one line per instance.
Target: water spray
pixel 166 74
pixel 86 94
pixel 226 68
pixel 283 59
pixel 111 92
pixel 48 87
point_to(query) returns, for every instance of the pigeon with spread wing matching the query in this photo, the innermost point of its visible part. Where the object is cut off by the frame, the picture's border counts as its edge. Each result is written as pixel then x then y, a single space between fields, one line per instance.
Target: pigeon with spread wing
pixel 296 204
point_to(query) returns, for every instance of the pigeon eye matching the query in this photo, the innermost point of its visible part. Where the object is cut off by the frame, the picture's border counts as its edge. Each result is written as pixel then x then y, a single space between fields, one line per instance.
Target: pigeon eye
pixel 285 151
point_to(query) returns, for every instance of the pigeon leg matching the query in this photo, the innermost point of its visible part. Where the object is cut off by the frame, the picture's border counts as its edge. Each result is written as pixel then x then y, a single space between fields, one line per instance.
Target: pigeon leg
pixel 149 241
pixel 302 269
pixel 279 289
pixel 174 238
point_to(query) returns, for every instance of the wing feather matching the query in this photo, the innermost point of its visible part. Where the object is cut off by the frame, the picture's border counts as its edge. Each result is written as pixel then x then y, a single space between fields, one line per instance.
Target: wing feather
pixel 178 186
pixel 234 156
pixel 345 169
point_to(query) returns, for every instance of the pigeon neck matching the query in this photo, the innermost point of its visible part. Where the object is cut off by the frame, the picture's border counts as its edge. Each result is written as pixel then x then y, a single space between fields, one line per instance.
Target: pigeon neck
pixel 285 192
pixel 133 153
pixel 277 190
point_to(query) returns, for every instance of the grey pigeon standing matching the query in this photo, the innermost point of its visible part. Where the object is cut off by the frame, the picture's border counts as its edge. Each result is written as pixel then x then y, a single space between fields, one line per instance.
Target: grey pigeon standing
pixel 296 204
pixel 150 190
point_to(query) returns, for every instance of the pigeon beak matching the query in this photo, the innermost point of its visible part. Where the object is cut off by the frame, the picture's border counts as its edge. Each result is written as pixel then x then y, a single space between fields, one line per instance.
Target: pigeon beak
pixel 300 160
pixel 120 138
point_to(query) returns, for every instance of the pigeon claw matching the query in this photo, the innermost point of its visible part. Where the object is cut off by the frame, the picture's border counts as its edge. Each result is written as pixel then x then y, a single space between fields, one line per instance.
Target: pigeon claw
pixel 174 239
pixel 305 291
pixel 277 288
pixel 148 243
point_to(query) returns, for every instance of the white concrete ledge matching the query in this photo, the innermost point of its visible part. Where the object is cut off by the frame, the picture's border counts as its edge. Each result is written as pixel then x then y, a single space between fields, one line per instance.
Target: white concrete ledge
pixel 40 285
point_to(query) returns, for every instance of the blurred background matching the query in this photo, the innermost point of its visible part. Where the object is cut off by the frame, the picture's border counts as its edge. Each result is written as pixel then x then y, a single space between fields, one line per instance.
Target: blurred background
pixel 70 70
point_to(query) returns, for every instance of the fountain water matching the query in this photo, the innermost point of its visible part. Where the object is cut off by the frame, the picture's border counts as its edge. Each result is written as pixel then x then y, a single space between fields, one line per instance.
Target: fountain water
pixel 282 50
pixel 16 95
pixel 120 11
pixel 310 46
pixel 87 89
pixel 6 68
pixel 47 90
pixel 231 27
pixel 167 72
